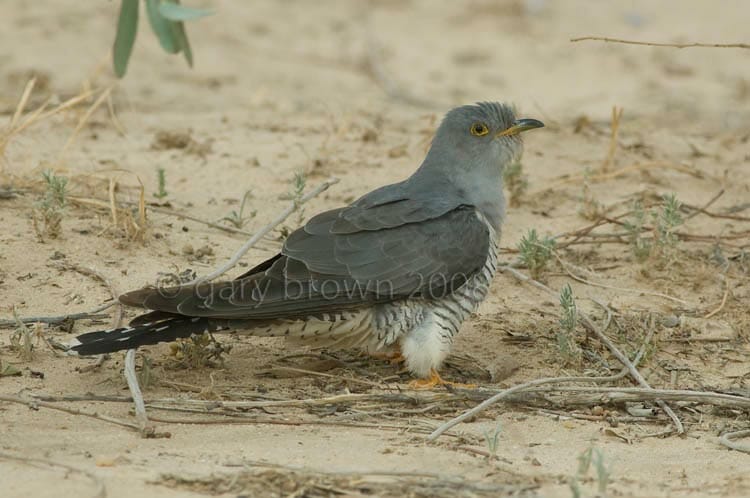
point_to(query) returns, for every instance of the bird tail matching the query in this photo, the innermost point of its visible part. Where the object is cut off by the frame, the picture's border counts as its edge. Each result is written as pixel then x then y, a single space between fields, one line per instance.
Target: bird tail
pixel 143 334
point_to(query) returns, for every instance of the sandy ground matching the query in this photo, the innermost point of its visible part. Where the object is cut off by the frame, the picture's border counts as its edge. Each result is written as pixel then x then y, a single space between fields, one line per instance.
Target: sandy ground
pixel 282 87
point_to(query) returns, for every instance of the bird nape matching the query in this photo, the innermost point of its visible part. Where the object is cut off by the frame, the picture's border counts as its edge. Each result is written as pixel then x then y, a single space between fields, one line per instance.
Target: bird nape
pixel 397 270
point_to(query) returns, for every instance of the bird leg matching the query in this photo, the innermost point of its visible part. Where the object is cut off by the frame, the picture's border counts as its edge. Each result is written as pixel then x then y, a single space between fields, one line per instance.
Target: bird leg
pixel 435 380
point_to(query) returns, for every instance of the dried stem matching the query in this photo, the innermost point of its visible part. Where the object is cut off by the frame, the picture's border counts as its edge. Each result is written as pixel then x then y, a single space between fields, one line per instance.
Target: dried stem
pixel 727 440
pixel 658 44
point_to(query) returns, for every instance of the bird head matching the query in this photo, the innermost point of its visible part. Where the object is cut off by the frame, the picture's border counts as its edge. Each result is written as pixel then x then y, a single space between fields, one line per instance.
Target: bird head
pixel 486 134
pixel 471 148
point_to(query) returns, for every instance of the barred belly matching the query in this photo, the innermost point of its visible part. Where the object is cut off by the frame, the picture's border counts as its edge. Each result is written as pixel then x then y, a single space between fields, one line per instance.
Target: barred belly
pixel 428 341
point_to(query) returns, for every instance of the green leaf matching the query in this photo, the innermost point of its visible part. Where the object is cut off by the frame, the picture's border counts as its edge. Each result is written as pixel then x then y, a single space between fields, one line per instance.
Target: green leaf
pixel 180 35
pixel 127 27
pixel 176 12
pixel 162 27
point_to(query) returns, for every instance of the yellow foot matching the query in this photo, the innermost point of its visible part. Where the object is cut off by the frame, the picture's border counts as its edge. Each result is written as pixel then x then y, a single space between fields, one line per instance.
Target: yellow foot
pixel 435 380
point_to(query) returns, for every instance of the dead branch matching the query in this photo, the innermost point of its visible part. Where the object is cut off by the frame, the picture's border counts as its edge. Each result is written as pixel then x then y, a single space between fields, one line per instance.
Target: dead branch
pixel 36 404
pixel 728 440
pixel 55 320
pixel 658 44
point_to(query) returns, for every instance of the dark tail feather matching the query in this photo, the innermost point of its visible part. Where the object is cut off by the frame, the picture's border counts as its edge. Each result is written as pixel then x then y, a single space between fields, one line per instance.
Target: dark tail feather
pixel 109 341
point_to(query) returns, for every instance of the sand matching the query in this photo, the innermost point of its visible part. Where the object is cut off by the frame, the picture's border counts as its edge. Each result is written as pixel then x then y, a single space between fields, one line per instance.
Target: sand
pixel 354 90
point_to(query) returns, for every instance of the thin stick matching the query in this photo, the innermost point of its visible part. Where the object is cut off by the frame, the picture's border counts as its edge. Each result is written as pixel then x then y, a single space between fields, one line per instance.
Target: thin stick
pixel 598 395
pixel 101 490
pixel 624 289
pixel 54 320
pixel 610 159
pixel 22 102
pixel 699 210
pixel 627 394
pixel 135 391
pixel 657 44
pixel 507 393
pixel 85 117
pixel 723 302
pixel 727 440
pixel 631 368
pixel 193 218
pixel 618 173
pixel 263 231
pixel 35 404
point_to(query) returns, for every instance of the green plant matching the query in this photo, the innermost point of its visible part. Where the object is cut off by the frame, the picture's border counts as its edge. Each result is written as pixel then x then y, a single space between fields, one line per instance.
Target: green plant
pixel 516 182
pixel 566 343
pixel 238 219
pixel 295 194
pixel 603 472
pixel 639 245
pixel 493 438
pixel 666 222
pixel 664 241
pixel 161 176
pixel 166 18
pixel 534 252
pixel 52 205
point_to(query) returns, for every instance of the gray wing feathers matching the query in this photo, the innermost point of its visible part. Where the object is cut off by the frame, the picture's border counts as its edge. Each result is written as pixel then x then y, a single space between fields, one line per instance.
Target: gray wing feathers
pixel 382 253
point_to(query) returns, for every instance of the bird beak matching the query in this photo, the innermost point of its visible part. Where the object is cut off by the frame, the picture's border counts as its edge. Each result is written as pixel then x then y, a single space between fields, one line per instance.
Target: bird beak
pixel 520 125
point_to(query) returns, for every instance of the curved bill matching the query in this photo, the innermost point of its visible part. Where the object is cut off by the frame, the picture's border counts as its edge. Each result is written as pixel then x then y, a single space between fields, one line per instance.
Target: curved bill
pixel 520 125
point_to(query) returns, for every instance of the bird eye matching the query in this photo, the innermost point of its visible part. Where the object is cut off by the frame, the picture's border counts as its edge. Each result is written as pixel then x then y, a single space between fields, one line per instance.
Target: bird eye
pixel 479 129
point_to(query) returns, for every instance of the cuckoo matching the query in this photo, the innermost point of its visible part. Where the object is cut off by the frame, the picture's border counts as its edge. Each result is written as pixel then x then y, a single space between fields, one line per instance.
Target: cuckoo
pixel 399 269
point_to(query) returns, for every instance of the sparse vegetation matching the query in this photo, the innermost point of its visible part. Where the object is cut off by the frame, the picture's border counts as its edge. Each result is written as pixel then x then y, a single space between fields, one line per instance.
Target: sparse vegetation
pixel 534 252
pixel 663 243
pixel 295 193
pixel 596 457
pixel 516 182
pixel 566 343
pixel 492 438
pixel 52 205
pixel 198 351
pixel 238 218
pixel 161 177
pixel 591 209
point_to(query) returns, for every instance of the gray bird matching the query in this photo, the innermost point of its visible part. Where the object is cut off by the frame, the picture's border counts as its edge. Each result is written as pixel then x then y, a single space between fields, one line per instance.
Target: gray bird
pixel 399 269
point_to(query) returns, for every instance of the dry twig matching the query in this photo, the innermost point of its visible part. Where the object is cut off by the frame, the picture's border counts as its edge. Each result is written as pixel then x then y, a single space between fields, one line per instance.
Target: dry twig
pixel 615 126
pixel 57 319
pixel 36 404
pixel 728 440
pixel 657 44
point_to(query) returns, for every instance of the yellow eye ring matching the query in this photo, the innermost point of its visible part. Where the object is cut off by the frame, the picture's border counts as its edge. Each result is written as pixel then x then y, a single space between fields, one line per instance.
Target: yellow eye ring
pixel 479 129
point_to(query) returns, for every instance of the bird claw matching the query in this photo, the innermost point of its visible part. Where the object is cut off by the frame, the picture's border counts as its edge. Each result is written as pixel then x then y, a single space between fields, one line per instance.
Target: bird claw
pixel 435 380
